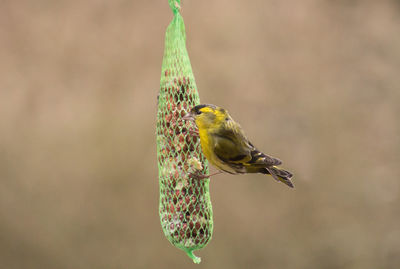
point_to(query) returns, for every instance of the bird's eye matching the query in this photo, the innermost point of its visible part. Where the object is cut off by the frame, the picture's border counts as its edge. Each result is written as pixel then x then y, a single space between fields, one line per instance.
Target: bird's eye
pixel 198 112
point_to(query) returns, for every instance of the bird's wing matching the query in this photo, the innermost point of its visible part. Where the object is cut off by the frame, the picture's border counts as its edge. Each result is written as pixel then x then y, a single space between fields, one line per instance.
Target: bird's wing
pixel 262 160
pixel 253 156
pixel 231 145
pixel 229 151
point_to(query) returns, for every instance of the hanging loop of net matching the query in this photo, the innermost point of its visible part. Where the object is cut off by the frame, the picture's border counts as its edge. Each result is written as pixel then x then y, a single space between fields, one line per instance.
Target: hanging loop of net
pixel 175 5
pixel 185 206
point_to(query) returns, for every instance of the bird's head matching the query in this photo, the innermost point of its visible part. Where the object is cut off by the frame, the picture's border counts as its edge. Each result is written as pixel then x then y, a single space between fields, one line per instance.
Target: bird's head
pixel 206 115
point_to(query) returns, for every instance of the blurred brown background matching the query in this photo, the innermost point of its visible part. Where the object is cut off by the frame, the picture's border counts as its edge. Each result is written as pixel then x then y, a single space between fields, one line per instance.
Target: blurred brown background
pixel 315 83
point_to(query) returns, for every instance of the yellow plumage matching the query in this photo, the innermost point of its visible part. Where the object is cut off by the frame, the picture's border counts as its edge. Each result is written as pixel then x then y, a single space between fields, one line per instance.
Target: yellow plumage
pixel 225 145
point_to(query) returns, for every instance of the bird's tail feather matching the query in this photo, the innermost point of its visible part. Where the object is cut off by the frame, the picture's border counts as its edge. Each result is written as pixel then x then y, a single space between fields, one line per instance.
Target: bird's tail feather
pixel 280 175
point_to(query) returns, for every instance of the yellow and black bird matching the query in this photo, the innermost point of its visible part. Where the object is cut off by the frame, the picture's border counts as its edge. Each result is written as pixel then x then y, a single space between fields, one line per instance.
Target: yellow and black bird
pixel 226 146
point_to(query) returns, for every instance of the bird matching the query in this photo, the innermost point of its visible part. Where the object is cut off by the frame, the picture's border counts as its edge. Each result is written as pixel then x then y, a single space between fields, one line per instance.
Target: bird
pixel 226 146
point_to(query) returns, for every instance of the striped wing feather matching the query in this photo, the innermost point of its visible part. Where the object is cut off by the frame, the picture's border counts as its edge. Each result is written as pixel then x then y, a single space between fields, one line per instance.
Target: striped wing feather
pixel 232 147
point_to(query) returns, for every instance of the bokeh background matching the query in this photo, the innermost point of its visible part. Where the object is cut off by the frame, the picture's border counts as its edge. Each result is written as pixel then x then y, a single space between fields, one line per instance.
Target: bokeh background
pixel 314 82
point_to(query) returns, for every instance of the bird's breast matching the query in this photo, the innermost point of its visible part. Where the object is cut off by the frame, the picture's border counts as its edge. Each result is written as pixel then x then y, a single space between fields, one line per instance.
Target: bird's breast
pixel 206 145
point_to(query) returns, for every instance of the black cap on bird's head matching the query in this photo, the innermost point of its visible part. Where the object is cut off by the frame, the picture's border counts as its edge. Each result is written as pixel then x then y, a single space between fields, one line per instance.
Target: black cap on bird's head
pixel 197 109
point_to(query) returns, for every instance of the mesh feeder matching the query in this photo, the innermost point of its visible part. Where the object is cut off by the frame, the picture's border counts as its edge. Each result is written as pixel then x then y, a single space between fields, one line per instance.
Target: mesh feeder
pixel 185 206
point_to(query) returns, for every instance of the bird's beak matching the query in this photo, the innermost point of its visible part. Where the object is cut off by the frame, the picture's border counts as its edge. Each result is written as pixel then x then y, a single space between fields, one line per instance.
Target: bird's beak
pixel 188 117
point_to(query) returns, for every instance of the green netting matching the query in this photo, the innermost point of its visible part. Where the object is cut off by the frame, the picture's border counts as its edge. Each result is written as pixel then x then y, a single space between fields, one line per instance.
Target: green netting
pixel 185 206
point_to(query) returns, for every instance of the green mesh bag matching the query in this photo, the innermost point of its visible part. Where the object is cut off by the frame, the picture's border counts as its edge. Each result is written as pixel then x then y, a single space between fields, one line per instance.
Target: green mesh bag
pixel 185 206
